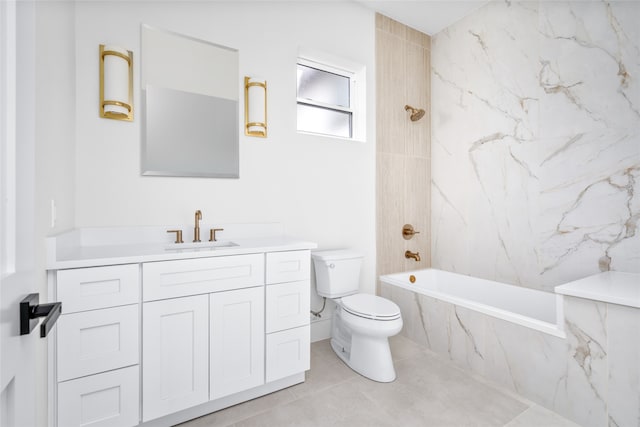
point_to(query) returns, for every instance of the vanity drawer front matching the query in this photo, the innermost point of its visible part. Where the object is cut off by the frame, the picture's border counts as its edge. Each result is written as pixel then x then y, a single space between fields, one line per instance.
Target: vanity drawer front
pixel 288 352
pixel 111 399
pixel 98 287
pixel 169 279
pixel 288 266
pixel 96 341
pixel 288 305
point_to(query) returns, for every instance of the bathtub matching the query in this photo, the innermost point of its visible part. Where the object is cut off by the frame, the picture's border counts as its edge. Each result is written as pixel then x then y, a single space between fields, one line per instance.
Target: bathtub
pixel 542 311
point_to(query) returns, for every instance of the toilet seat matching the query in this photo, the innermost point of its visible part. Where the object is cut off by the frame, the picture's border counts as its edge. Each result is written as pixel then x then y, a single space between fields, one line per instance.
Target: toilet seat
pixel 371 307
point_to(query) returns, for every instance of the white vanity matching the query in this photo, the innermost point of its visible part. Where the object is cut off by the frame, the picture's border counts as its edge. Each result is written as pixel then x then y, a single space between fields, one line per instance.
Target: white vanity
pixel 153 334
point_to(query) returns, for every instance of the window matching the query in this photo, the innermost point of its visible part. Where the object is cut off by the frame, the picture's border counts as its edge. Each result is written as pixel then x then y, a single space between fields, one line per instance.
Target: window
pixel 328 102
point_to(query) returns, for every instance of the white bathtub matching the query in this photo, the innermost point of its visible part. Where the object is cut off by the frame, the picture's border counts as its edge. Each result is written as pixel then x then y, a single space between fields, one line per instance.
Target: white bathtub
pixel 542 311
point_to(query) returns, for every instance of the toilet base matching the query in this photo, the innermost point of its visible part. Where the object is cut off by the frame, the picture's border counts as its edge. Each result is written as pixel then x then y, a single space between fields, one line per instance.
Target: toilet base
pixel 378 368
pixel 365 352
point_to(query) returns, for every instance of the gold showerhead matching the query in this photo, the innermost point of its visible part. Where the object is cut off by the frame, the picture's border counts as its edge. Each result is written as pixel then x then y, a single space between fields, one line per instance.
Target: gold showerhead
pixel 416 114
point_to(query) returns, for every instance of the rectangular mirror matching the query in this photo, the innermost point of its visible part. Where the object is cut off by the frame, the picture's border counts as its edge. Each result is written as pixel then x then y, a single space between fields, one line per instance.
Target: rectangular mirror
pixel 189 106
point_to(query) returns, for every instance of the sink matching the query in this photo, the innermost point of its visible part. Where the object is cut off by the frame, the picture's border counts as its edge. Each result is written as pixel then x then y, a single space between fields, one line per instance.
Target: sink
pixel 200 245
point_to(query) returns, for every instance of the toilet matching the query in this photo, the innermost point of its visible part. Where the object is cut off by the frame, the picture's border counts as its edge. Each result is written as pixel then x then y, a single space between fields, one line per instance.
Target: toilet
pixel 362 323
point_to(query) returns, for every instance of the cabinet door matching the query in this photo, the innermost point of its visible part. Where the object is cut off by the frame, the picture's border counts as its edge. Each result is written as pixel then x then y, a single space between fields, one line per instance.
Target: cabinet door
pixel 175 355
pixel 237 341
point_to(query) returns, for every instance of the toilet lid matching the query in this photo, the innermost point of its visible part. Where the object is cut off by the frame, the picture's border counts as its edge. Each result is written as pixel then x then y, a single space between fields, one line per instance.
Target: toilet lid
pixel 371 307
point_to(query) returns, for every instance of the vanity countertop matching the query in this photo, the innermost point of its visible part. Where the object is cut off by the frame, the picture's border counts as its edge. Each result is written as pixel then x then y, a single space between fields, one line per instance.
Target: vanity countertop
pixel 614 287
pixel 84 248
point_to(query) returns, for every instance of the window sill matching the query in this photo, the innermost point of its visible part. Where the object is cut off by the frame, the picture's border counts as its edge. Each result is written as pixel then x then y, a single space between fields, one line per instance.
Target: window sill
pixel 340 138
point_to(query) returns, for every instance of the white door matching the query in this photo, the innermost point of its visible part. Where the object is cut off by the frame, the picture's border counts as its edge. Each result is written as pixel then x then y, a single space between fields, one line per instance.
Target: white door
pixel 17 260
pixel 175 355
pixel 237 341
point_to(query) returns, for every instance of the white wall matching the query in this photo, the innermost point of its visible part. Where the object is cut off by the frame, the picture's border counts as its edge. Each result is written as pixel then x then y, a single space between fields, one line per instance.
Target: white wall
pixel 536 142
pixel 320 189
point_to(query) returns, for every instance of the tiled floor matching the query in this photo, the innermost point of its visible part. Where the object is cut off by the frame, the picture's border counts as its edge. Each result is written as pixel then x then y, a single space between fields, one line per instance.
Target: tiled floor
pixel 429 391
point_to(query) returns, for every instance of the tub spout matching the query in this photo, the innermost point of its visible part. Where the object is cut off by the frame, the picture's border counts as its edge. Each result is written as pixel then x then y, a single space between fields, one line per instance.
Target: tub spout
pixel 414 255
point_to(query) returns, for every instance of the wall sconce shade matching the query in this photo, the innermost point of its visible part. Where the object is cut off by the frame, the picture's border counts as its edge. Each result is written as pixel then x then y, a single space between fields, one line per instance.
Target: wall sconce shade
pixel 116 83
pixel 255 107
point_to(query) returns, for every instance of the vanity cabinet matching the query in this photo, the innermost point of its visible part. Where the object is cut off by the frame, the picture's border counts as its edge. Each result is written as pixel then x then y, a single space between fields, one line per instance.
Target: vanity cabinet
pixel 97 346
pixel 164 340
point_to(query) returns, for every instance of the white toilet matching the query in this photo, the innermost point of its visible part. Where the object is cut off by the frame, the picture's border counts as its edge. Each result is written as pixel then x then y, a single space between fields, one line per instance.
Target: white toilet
pixel 362 323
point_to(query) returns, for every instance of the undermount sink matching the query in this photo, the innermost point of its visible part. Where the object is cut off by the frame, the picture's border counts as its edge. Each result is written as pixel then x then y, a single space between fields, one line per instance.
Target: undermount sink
pixel 200 245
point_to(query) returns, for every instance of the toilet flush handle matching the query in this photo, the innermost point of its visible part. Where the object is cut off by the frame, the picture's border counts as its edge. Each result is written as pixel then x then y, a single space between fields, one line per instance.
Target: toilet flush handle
pixel 332 265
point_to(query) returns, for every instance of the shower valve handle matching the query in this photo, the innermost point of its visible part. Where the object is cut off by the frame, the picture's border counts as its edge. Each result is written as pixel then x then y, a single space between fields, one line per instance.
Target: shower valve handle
pixel 408 232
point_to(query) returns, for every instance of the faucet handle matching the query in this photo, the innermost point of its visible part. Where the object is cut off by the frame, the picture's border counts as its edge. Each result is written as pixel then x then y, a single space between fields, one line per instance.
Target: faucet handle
pixel 212 234
pixel 408 232
pixel 178 235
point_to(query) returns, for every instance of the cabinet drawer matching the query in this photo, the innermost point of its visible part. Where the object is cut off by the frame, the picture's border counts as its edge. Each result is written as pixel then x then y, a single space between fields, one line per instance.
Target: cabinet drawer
pixel 287 305
pixel 288 353
pixel 287 266
pixel 104 400
pixel 96 341
pixel 98 287
pixel 169 279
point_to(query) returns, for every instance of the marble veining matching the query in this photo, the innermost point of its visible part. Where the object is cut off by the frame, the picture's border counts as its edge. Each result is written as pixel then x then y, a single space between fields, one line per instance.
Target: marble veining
pixel 536 142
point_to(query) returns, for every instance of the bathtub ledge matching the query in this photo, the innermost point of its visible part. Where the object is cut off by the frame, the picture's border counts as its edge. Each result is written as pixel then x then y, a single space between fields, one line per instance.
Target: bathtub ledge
pixel 614 287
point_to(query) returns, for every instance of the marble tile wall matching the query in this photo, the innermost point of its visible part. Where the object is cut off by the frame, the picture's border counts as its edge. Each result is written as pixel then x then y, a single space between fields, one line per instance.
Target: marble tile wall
pixel 592 377
pixel 536 141
pixel 403 146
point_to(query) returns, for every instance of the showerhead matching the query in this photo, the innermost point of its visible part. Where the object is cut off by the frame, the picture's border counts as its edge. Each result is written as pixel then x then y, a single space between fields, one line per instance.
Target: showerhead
pixel 416 114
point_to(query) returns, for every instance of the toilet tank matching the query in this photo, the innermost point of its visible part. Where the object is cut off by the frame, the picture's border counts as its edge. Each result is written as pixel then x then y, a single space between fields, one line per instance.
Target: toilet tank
pixel 337 272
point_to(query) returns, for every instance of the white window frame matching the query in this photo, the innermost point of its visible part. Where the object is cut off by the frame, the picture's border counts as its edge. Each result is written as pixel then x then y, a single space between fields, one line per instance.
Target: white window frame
pixel 356 74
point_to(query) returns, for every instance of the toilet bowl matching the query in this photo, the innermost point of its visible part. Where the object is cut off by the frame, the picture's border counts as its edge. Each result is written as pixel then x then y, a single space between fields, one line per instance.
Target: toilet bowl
pixel 362 323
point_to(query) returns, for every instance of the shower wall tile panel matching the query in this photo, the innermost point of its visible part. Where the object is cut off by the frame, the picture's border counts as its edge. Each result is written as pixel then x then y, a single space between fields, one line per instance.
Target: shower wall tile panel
pixel 403 147
pixel 390 211
pixel 536 142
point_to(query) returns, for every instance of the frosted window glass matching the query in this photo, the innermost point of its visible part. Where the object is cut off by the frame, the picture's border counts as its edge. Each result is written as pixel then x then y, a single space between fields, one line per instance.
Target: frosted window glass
pixel 324 121
pixel 323 86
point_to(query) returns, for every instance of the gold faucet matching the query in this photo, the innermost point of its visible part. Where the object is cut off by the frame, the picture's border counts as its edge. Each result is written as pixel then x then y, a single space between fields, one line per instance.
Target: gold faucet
pixel 212 234
pixel 178 235
pixel 415 256
pixel 196 230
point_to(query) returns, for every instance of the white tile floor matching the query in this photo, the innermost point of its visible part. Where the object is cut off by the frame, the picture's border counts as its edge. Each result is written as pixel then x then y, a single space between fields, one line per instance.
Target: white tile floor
pixel 429 391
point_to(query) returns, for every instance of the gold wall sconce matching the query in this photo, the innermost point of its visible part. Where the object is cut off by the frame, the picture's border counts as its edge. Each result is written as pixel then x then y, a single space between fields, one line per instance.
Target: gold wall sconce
pixel 255 107
pixel 116 83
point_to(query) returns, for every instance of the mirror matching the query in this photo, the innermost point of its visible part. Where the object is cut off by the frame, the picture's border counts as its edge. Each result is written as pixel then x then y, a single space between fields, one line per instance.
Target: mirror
pixel 189 106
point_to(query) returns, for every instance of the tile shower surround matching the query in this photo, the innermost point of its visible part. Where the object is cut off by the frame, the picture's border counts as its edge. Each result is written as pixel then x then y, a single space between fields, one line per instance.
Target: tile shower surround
pixel 535 168
pixel 592 377
pixel 536 142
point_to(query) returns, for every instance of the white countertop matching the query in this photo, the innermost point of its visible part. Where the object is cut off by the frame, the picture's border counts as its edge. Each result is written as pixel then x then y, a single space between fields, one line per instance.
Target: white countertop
pixel 613 287
pixel 89 248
